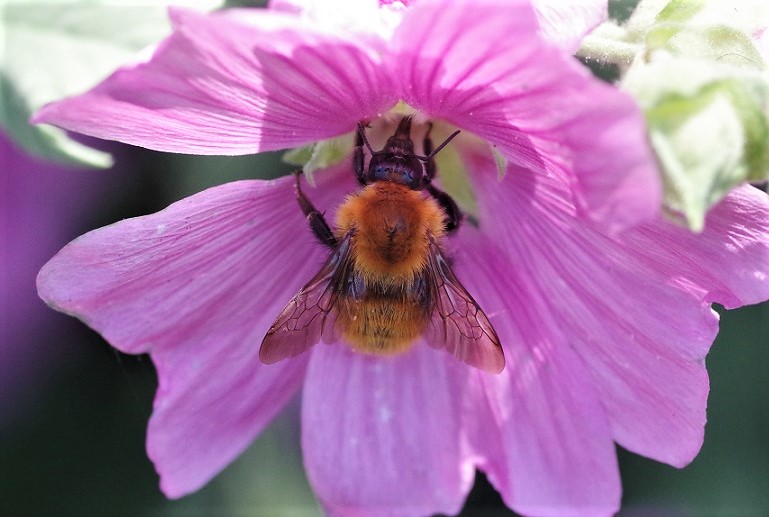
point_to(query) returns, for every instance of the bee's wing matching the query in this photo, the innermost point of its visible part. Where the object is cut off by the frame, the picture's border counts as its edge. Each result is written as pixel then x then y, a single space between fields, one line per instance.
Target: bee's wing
pixel 311 315
pixel 457 323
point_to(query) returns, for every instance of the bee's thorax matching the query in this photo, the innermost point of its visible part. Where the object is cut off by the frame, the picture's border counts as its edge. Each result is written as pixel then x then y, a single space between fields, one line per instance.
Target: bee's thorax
pixel 391 224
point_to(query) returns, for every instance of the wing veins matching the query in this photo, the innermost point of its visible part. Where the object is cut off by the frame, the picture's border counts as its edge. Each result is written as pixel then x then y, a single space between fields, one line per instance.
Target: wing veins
pixel 458 324
pixel 310 316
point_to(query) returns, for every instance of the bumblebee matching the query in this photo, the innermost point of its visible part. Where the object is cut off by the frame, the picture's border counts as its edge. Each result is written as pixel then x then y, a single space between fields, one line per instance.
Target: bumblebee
pixel 387 281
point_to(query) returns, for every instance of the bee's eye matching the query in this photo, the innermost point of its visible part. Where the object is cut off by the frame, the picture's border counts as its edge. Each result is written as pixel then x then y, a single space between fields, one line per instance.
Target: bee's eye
pixel 395 171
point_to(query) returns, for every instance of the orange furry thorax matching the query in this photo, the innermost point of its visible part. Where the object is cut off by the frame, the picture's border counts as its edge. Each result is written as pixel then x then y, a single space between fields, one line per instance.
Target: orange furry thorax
pixel 391 225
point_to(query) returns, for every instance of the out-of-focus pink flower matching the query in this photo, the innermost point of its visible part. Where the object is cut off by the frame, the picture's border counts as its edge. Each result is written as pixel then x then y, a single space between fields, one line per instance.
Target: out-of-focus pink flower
pixel 41 205
pixel 604 332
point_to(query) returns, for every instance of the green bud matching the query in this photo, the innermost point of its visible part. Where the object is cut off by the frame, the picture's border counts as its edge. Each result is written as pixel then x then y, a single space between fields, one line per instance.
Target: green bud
pixel 707 143
pixel 704 88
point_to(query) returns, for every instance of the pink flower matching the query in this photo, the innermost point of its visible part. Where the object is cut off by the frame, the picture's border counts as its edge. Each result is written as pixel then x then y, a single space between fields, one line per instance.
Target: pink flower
pixel 605 333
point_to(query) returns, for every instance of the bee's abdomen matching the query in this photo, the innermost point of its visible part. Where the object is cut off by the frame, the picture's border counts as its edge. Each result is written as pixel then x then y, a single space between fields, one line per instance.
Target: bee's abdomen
pixel 383 324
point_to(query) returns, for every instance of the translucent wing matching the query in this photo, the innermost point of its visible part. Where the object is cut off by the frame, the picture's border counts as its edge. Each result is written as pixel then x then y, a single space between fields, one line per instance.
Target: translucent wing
pixel 457 323
pixel 311 315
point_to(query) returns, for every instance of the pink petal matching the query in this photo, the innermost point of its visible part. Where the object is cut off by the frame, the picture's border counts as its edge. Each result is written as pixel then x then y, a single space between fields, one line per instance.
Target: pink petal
pixel 216 86
pixel 492 75
pixel 728 263
pixel 566 23
pixel 211 404
pixel 545 439
pixel 383 437
pixel 635 310
pixel 197 285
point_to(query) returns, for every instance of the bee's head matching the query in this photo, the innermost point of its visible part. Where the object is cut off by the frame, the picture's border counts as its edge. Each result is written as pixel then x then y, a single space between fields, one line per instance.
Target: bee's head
pixel 403 169
pixel 397 162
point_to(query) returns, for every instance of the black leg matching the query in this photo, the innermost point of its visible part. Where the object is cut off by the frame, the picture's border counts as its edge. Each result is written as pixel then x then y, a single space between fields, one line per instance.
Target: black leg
pixel 358 160
pixel 318 223
pixel 427 148
pixel 453 213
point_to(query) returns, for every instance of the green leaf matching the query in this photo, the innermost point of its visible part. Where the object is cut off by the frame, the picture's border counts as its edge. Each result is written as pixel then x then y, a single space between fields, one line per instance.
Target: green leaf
pixel 44 141
pixel 748 16
pixel 54 49
pixel 680 10
pixel 720 44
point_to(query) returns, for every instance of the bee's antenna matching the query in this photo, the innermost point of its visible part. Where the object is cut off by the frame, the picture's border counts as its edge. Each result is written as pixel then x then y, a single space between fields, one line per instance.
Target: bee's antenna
pixel 362 133
pixel 435 151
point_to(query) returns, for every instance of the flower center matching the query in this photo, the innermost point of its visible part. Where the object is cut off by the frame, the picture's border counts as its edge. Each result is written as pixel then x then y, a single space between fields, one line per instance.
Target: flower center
pixel 452 174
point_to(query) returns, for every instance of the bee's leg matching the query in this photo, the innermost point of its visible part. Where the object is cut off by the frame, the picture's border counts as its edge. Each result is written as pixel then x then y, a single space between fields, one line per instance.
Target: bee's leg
pixel 453 213
pixel 358 158
pixel 427 149
pixel 429 158
pixel 318 223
